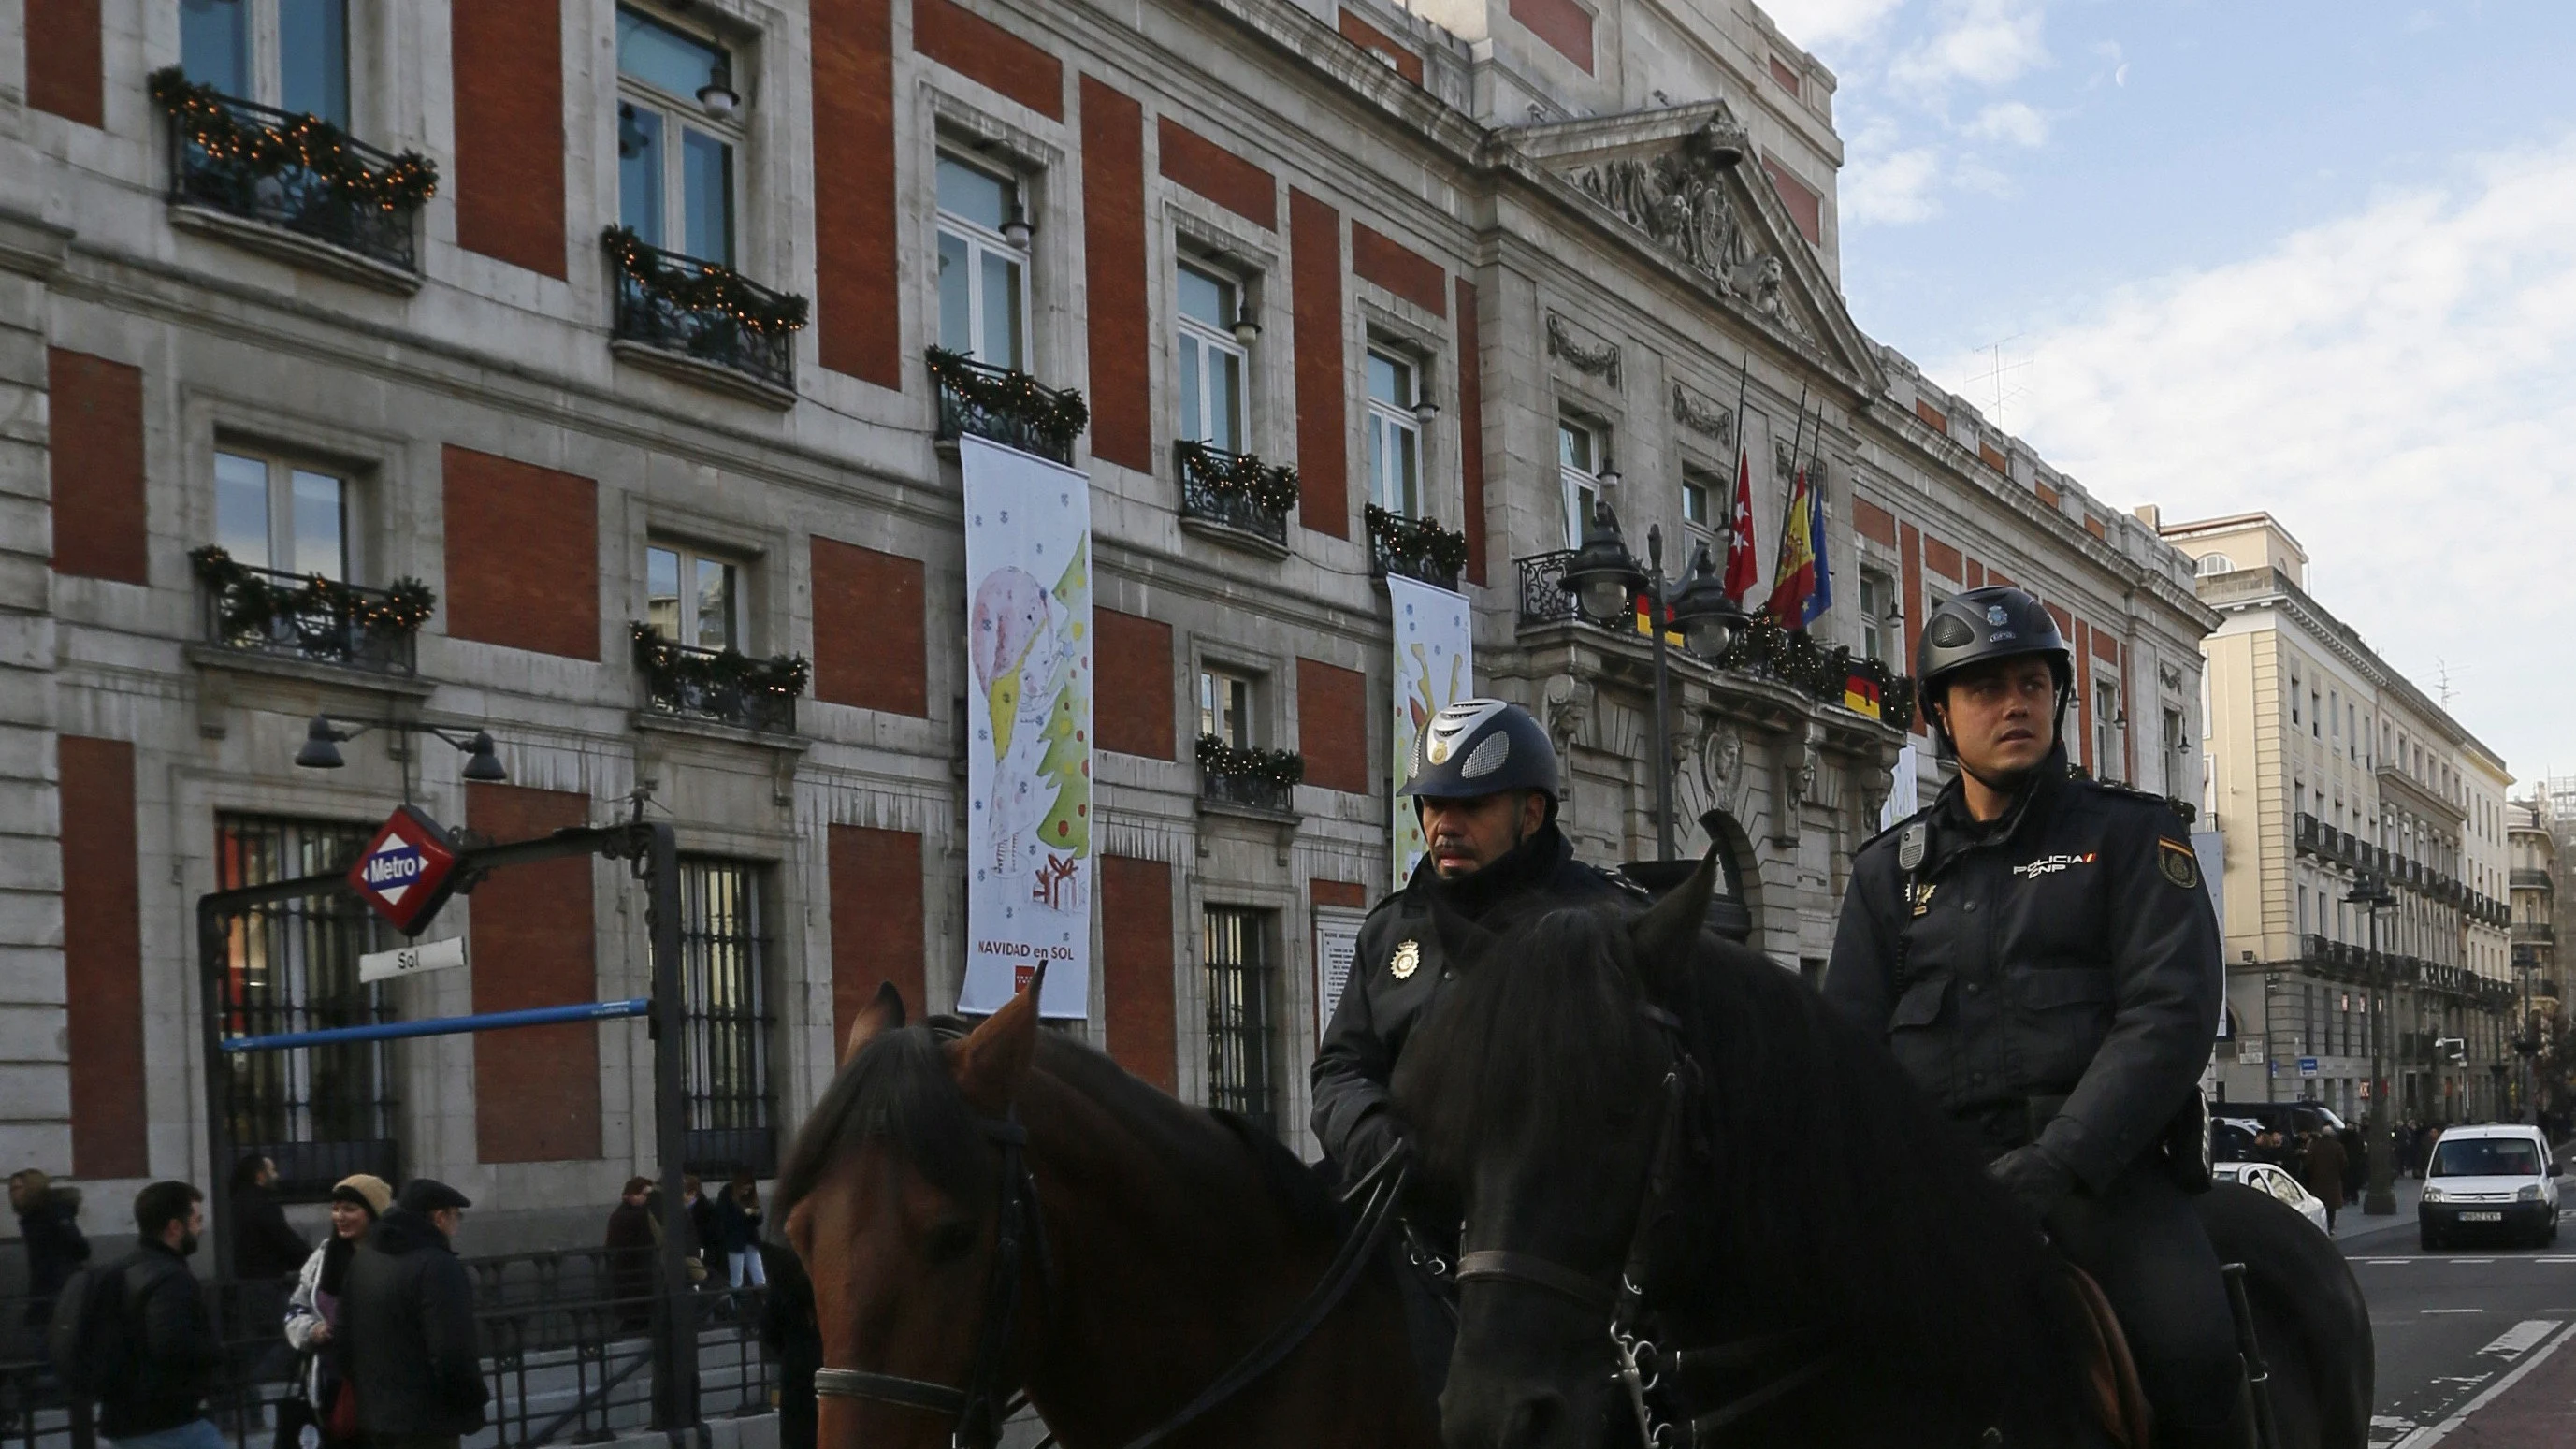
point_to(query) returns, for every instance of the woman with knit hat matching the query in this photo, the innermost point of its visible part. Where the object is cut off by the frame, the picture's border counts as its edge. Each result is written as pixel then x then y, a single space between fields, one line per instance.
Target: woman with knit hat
pixel 313 1313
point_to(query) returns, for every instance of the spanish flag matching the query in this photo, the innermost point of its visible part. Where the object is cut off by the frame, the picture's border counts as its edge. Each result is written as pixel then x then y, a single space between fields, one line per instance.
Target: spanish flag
pixel 1803 589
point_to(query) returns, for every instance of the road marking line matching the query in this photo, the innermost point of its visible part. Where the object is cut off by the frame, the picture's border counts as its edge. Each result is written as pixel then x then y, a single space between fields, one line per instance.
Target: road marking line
pixel 2400 1262
pixel 2455 1310
pixel 2554 1260
pixel 2430 1435
pixel 2468 1260
pixel 2521 1338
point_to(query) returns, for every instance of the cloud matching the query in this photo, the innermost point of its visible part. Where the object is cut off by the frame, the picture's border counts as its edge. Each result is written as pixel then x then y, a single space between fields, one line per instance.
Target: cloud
pixel 1979 42
pixel 2397 386
pixel 2012 121
pixel 1889 185
pixel 1810 24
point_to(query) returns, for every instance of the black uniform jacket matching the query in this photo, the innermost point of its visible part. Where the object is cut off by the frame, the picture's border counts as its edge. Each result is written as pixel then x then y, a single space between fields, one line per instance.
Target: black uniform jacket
pixel 2065 950
pixel 1398 970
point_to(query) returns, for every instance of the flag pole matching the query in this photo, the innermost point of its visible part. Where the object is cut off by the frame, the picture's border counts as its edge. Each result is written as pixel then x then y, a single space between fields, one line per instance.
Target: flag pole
pixel 1780 553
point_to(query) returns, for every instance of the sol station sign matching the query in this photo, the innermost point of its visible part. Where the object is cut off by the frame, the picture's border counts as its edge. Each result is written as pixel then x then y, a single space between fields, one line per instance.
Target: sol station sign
pixel 404 871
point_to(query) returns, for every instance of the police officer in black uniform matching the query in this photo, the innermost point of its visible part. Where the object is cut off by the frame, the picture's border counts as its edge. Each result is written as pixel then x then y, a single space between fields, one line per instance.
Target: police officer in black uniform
pixel 2036 948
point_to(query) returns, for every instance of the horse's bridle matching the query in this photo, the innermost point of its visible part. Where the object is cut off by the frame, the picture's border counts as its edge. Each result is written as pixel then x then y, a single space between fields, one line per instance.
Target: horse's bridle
pixel 980 1407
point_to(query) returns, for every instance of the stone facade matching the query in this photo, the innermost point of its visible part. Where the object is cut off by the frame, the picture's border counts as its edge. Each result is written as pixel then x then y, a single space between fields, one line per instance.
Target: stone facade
pixel 2329 769
pixel 1612 221
pixel 2535 859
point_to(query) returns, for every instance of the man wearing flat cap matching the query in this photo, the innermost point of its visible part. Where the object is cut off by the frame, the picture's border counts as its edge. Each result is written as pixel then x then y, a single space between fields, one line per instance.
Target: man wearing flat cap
pixel 408 1324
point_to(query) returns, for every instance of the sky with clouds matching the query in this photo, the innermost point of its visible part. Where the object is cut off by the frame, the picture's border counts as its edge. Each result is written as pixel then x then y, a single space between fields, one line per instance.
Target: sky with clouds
pixel 2311 256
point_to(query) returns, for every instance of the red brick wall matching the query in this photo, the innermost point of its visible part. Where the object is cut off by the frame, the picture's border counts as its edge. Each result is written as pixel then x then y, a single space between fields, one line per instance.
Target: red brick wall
pixel 1873 522
pixel 876 884
pixel 1315 276
pixel 1787 78
pixel 1806 208
pixel 1133 712
pixel 1988 455
pixel 869 628
pixel 1113 224
pixel 505 59
pixel 1942 559
pixel 536 1089
pixel 1976 574
pixel 1136 966
pixel 2081 722
pixel 1336 892
pixel 2046 494
pixel 522 555
pixel 1332 726
pixel 1909 555
pixel 96 410
pixel 103 957
pixel 65 74
pixel 1368 37
pixel 857 307
pixel 1564 25
pixel 976 48
pixel 1400 269
pixel 1191 160
pixel 1932 417
pixel 1471 429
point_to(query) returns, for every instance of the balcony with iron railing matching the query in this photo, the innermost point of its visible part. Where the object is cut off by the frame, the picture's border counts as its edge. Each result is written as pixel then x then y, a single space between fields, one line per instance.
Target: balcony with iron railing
pixel 1249 779
pixel 1005 406
pixel 2524 878
pixel 306 190
pixel 310 619
pixel 1414 548
pixel 719 686
pixel 1235 498
pixel 702 320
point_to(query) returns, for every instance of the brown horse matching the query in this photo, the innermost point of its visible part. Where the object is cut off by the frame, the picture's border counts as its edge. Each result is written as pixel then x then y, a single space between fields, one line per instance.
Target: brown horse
pixel 1167 1242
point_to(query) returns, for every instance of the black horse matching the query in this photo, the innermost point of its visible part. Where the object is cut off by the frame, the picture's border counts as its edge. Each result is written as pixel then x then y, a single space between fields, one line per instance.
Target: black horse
pixel 1831 1254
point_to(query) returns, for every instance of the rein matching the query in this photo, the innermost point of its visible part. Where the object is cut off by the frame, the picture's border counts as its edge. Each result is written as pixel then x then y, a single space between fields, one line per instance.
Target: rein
pixel 978 1425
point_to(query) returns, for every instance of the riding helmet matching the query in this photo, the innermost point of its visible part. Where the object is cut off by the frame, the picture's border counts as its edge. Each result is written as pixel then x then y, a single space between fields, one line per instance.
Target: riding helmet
pixel 1481 747
pixel 1994 622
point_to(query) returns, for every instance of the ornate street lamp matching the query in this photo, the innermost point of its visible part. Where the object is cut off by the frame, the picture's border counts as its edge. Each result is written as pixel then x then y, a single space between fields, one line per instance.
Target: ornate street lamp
pixel 324 735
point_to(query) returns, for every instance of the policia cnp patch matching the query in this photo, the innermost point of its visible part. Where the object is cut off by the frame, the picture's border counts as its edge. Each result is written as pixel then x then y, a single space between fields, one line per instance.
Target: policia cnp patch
pixel 2177 862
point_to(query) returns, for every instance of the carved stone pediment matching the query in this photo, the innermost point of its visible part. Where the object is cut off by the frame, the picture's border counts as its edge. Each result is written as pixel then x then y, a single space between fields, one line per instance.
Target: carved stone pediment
pixel 1681 199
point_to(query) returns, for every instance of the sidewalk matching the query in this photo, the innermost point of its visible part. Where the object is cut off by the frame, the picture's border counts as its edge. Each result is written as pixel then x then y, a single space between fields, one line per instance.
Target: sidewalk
pixel 2350 1224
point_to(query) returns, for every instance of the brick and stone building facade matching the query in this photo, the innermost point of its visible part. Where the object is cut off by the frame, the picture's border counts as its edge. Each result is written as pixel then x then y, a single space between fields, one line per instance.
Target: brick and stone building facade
pixel 1536 251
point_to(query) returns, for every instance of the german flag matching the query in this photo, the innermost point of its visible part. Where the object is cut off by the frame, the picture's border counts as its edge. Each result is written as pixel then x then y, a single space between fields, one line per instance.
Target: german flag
pixel 1860 694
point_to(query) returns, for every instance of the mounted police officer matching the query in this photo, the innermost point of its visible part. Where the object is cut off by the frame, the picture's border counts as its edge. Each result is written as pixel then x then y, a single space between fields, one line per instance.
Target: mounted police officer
pixel 2038 952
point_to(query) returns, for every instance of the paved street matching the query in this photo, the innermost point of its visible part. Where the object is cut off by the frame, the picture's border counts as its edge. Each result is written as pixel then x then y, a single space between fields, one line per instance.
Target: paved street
pixel 2472 1343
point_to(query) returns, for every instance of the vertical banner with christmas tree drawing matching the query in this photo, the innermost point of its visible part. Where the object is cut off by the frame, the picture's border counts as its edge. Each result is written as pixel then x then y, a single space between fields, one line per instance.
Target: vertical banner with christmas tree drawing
pixel 1435 666
pixel 1028 730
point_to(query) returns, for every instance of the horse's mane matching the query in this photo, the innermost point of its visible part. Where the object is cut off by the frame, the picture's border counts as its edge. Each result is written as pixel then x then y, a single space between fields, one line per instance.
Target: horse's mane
pixel 898 1088
pixel 1829 1191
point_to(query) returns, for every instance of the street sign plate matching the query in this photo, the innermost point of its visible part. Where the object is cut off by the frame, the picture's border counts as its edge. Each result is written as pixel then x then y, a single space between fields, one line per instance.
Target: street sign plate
pixel 2249 1050
pixel 2307 1066
pixel 403 873
pixel 412 960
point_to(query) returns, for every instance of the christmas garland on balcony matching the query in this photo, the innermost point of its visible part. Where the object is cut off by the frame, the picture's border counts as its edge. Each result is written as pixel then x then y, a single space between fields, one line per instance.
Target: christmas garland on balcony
pixel 1278 767
pixel 1417 540
pixel 1793 657
pixel 250 603
pixel 206 118
pixel 699 286
pixel 671 666
pixel 1057 415
pixel 1272 487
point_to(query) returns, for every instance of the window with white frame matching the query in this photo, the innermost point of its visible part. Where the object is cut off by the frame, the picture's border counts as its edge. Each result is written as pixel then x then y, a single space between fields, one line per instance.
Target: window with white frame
pixel 1394 433
pixel 692 597
pixel 2216 563
pixel 1225 705
pixel 1699 498
pixel 676 137
pixel 1582 455
pixel 272 513
pixel 1876 600
pixel 1210 361
pixel 2106 730
pixel 291 54
pixel 983 265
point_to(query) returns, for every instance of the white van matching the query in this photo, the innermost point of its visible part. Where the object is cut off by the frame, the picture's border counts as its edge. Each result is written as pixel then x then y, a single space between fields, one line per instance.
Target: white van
pixel 2497 1179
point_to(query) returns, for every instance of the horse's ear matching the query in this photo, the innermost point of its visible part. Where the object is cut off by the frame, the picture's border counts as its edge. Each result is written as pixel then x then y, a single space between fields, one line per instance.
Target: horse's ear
pixel 1665 935
pixel 884 1012
pixel 1463 942
pixel 993 1059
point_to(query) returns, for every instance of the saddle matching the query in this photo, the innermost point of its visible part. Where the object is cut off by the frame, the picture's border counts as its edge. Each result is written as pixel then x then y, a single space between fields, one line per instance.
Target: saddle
pixel 2118 1402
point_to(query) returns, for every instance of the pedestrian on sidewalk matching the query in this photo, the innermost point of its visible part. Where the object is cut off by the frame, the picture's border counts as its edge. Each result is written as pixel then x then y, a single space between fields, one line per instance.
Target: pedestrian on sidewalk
pixel 738 1218
pixel 313 1312
pixel 49 1224
pixel 630 1254
pixel 702 1226
pixel 155 1397
pixel 2325 1166
pixel 407 1325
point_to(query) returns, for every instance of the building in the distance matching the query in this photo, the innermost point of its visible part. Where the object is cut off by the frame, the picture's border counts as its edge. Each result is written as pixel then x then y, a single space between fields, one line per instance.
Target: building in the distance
pixel 2534 866
pixel 2330 772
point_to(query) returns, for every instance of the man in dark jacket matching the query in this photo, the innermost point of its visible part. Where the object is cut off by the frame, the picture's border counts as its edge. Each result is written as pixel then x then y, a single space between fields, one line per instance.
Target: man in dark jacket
pixel 2037 950
pixel 157 1395
pixel 630 1254
pixel 49 1224
pixel 407 1325
pixel 264 1245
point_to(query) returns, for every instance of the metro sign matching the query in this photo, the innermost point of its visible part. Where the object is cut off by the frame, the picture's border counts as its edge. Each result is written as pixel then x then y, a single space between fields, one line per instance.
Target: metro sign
pixel 404 870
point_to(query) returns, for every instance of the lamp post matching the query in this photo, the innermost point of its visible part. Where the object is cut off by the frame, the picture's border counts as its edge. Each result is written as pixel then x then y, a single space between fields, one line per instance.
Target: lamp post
pixel 326 733
pixel 1605 580
pixel 2271 1044
pixel 2379 1198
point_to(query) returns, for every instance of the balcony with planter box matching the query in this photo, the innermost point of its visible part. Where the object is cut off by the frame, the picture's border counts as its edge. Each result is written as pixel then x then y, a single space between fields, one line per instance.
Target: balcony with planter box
pixel 1414 548
pixel 293 186
pixel 1235 498
pixel 719 686
pixel 702 321
pixel 1247 780
pixel 1005 406
pixel 310 619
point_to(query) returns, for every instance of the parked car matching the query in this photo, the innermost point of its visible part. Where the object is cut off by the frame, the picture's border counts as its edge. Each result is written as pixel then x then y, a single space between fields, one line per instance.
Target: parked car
pixel 2496 1179
pixel 2266 1177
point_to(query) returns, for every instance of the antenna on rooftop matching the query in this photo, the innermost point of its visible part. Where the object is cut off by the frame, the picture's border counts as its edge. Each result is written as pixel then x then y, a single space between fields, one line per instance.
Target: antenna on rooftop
pixel 1996 369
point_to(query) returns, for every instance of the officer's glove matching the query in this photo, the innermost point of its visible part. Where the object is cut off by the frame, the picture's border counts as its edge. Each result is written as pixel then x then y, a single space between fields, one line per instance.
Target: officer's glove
pixel 1371 1139
pixel 2034 1176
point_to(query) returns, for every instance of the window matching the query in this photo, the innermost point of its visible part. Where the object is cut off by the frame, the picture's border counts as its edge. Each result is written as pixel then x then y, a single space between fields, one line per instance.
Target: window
pixel 272 514
pixel 674 156
pixel 725 1067
pixel 291 54
pixel 2334 711
pixel 1239 1046
pixel 1394 434
pixel 2177 752
pixel 1699 498
pixel 2216 563
pixel 2294 698
pixel 2106 730
pixel 292 965
pixel 692 598
pixel 1582 456
pixel 1211 362
pixel 1225 707
pixel 983 265
pixel 1876 597
pixel 2314 729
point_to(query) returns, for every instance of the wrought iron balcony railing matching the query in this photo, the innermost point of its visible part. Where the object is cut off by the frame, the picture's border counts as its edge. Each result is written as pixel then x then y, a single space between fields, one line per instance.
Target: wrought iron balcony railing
pixel 1414 548
pixel 293 171
pixel 314 619
pixel 725 686
pixel 704 311
pixel 1235 491
pixel 1248 776
pixel 1005 406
